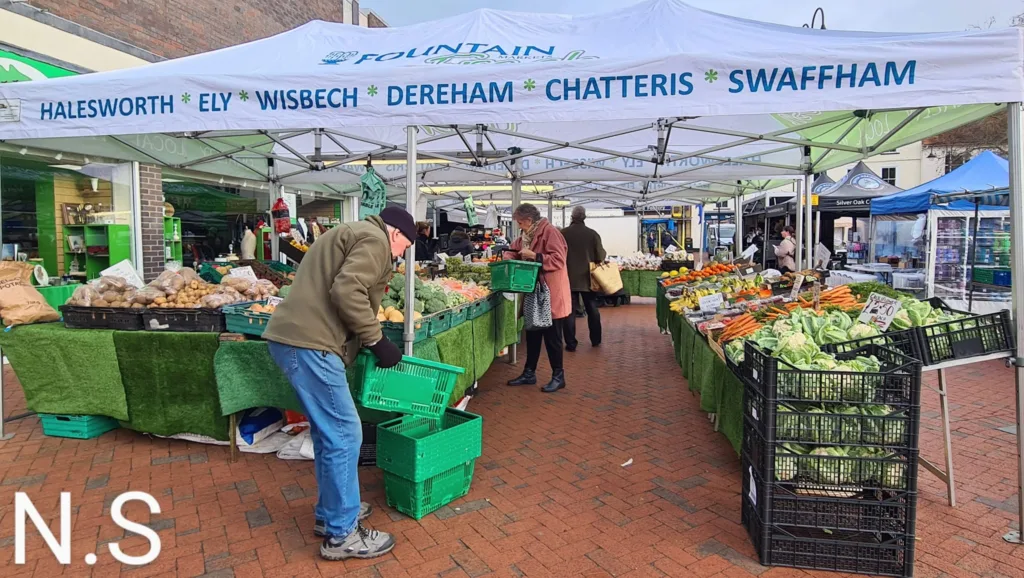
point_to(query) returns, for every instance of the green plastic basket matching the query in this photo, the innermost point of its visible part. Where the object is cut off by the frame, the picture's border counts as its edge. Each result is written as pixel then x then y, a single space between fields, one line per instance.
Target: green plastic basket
pixel 279 267
pixel 514 276
pixel 459 315
pixel 81 427
pixel 414 386
pixel 438 322
pixel 476 309
pixel 417 499
pixel 393 331
pixel 238 319
pixel 418 448
pixel 209 273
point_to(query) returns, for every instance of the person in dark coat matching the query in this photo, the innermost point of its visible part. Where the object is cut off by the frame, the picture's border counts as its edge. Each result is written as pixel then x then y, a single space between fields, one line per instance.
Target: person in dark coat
pixel 458 243
pixel 424 244
pixel 585 248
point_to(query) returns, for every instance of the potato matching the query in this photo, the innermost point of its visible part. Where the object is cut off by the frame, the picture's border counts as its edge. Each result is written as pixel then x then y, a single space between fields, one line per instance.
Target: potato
pixel 100 303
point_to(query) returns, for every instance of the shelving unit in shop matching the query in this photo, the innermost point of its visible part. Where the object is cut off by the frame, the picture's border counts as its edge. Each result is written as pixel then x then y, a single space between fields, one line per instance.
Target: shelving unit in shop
pixel 104 245
pixel 172 239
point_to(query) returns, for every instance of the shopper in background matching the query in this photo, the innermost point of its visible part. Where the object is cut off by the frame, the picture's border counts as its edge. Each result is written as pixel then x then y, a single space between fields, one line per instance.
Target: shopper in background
pixel 584 248
pixel 786 250
pixel 459 244
pixel 424 244
pixel 315 333
pixel 542 242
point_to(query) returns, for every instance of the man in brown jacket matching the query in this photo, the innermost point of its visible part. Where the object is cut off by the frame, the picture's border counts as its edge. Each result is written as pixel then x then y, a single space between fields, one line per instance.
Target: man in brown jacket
pixel 585 248
pixel 315 333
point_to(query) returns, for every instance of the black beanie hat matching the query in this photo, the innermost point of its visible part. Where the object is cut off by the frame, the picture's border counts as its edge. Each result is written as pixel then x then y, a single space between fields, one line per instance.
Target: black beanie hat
pixel 401 220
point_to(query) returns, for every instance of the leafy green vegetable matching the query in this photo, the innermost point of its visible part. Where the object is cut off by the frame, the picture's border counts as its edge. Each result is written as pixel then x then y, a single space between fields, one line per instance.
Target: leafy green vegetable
pixel 862 330
pixel 866 288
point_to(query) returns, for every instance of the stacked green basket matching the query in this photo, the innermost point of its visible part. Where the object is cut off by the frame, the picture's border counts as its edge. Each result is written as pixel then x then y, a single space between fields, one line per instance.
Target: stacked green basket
pixel 428 454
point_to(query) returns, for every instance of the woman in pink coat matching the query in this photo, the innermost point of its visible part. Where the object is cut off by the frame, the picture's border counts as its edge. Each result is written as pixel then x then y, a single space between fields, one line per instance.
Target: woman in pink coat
pixel 542 242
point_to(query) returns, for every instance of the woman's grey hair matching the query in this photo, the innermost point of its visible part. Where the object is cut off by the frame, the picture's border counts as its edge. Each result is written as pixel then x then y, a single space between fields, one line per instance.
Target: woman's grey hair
pixel 527 211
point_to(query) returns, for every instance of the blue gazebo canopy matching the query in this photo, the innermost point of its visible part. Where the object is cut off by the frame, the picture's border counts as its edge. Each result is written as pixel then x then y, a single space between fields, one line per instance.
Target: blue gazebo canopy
pixel 985 172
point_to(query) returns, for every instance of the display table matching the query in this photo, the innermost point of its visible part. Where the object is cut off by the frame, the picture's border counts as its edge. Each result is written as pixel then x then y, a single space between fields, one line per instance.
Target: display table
pixel 171 383
pixel 640 283
pixel 720 390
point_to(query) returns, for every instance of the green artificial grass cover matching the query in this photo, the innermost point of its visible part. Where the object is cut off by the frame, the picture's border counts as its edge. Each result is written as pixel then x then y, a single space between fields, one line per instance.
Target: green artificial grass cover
pixel 455 347
pixel 66 371
pixel 170 383
pixel 507 327
pixel 730 404
pixel 247 377
pixel 648 283
pixel 426 349
pixel 483 343
pixel 686 337
pixel 631 282
pixel 675 330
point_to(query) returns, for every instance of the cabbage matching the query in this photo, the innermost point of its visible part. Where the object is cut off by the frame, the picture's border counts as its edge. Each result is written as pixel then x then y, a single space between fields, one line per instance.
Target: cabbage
pixel 787 423
pixel 840 319
pixel 734 351
pixel 862 330
pixel 831 334
pixel 831 466
pixel 782 326
pixel 878 430
pixel 787 463
pixel 901 321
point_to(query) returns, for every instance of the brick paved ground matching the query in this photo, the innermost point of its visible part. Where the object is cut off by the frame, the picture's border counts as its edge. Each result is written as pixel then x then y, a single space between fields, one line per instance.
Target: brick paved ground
pixel 550 497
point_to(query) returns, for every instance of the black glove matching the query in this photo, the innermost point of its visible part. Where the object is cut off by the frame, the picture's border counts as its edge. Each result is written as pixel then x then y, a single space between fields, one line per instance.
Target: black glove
pixel 387 353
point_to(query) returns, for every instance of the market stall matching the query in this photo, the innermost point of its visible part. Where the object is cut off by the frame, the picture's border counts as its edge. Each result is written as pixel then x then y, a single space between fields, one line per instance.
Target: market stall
pixel 706 121
pixel 947 245
pixel 168 383
pixel 818 399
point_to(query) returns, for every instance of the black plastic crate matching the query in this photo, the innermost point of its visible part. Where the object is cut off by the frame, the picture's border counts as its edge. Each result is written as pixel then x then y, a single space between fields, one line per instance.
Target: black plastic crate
pixel 784 506
pixel 184 320
pixel 809 470
pixel 904 341
pixel 897 383
pixel 121 319
pixel 826 424
pixel 880 554
pixel 972 336
pixel 368 451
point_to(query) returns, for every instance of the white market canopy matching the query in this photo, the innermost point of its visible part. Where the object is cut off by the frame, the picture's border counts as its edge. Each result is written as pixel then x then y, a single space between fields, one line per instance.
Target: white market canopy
pixel 656 103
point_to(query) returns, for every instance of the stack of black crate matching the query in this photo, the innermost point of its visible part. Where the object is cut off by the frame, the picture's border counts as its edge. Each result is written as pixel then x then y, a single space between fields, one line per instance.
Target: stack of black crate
pixel 830 462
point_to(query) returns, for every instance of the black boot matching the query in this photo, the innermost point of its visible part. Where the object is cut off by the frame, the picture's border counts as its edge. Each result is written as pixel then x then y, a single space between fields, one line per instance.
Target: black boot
pixel 529 377
pixel 557 382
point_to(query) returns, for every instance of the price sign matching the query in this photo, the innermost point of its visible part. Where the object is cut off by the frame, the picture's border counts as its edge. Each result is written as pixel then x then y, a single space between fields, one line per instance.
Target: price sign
pixel 710 303
pixel 245 273
pixel 817 295
pixel 275 301
pixel 126 271
pixel 880 310
pixel 798 282
pixel 822 256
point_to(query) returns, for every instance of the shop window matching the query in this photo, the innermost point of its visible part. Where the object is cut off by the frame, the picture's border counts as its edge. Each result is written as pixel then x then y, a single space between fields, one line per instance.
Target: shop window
pixel 889 175
pixel 74 220
pixel 213 218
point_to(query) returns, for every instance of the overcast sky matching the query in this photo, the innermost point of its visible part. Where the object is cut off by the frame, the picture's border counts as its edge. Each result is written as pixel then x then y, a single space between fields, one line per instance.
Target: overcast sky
pixel 875 15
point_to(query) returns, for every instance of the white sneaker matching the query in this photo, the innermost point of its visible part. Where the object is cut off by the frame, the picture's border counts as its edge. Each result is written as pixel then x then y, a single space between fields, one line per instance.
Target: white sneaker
pixel 361 543
pixel 364 512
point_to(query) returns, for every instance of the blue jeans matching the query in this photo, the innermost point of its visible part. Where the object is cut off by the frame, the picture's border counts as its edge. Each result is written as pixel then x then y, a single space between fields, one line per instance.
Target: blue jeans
pixel 319 380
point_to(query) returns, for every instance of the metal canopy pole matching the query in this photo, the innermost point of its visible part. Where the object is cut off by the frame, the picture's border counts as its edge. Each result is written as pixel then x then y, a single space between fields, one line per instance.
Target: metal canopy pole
pixel 808 224
pixel 1015 136
pixel 551 208
pixel 275 194
pixel 799 224
pixel 517 197
pixel 738 233
pixel 411 190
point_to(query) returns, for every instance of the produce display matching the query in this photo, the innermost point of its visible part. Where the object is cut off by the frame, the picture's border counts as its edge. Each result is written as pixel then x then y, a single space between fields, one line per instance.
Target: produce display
pixel 261 270
pixel 171 290
pixel 469 272
pixel 431 296
pixel 638 262
pixel 262 308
